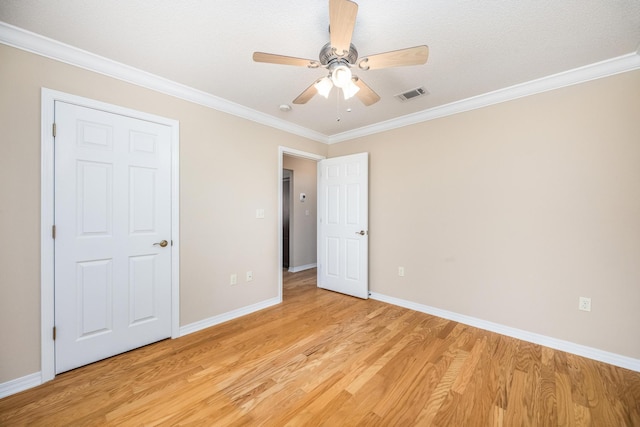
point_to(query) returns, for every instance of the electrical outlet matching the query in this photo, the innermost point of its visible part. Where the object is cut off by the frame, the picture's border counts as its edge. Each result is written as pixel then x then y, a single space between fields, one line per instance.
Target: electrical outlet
pixel 584 304
pixel 233 279
pixel 401 271
pixel 249 276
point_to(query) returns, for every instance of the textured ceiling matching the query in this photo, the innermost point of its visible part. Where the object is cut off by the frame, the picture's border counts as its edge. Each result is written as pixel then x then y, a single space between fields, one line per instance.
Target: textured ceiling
pixel 475 46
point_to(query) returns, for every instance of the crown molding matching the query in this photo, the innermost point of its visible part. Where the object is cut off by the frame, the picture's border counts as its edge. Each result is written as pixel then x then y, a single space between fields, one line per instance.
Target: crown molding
pixel 44 46
pixel 49 48
pixel 595 71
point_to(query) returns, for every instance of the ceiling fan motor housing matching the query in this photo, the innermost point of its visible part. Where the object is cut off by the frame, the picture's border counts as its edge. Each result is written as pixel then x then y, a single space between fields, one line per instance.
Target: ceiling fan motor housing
pixel 329 55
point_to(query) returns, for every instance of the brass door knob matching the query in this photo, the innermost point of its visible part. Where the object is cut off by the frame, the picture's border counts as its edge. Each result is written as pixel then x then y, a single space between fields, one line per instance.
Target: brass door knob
pixel 162 244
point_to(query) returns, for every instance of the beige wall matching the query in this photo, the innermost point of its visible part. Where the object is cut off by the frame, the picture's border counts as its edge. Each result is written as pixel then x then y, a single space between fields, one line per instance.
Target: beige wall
pixel 228 169
pixel 507 213
pixel 303 227
pixel 511 212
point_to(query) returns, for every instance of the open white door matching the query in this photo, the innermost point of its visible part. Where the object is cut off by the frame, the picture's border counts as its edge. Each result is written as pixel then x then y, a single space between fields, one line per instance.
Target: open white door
pixel 343 224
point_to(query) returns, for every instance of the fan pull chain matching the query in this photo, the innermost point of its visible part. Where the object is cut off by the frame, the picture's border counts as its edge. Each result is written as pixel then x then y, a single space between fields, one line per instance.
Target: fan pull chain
pixel 337 105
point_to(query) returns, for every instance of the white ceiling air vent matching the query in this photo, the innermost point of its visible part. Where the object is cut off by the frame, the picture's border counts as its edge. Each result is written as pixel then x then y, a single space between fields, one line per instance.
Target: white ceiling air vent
pixel 413 93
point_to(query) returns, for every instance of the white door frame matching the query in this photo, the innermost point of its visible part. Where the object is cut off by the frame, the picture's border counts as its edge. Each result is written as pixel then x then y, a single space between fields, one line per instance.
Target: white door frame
pixel 47 300
pixel 294 153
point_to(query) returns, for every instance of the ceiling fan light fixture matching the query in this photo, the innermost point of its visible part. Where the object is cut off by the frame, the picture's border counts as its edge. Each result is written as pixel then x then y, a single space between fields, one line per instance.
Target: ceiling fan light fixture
pixel 339 55
pixel 341 75
pixel 350 90
pixel 324 86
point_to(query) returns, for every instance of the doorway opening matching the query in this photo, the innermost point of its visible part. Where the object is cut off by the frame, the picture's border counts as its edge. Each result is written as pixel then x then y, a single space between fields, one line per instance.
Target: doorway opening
pixel 302 223
pixel 299 213
pixel 287 178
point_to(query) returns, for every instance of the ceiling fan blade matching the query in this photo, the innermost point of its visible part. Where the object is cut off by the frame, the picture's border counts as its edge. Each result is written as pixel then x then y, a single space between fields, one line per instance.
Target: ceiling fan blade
pixel 271 58
pixel 411 56
pixel 342 19
pixel 365 94
pixel 307 94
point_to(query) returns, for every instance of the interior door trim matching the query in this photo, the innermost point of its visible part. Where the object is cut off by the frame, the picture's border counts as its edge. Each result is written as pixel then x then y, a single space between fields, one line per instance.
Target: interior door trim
pixel 48 98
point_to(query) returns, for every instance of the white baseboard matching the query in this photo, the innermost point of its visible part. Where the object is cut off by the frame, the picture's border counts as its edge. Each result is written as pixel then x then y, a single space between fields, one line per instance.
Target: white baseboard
pixel 302 268
pixel 221 318
pixel 557 344
pixel 20 384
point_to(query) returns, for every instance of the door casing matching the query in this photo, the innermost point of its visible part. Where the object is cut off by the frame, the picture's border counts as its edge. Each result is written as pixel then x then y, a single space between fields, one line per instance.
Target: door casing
pixel 47 198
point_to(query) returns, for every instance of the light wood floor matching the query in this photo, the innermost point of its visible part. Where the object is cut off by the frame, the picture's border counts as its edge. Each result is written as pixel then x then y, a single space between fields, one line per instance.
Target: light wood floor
pixel 322 358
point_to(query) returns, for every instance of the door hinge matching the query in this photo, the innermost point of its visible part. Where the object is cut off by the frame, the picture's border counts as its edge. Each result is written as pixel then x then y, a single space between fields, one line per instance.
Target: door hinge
pixel 54 333
pixel 53 231
pixel 54 130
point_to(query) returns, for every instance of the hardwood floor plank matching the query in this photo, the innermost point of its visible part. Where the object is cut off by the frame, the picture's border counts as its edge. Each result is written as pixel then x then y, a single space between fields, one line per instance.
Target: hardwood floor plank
pixel 624 390
pixel 322 358
pixel 547 413
pixel 403 375
pixel 496 417
pixel 380 362
pixel 460 401
pixel 467 371
pixel 502 368
pixel 515 413
pixel 441 391
pixel 479 392
pixel 583 416
pixel 564 400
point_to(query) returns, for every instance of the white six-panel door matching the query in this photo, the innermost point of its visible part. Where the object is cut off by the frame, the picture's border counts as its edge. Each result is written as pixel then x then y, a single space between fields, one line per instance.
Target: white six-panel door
pixel 112 209
pixel 343 224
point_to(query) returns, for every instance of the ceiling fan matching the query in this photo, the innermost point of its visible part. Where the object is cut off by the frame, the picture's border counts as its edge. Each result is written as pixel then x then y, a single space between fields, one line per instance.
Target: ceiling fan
pixel 339 55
